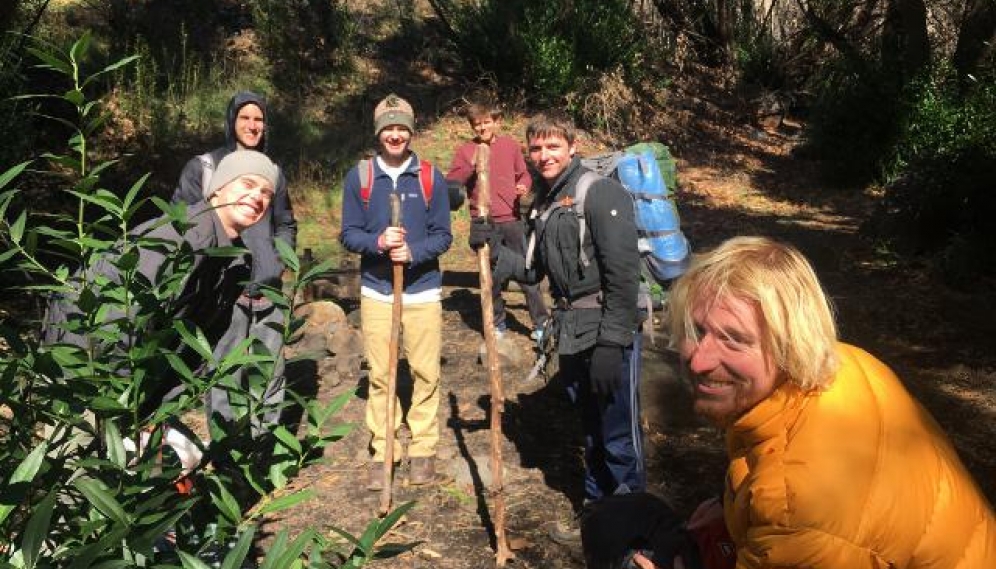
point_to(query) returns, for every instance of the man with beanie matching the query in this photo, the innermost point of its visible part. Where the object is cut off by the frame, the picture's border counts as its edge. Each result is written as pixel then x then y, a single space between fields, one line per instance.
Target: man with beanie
pixel 594 281
pixel 423 235
pixel 254 315
pixel 238 198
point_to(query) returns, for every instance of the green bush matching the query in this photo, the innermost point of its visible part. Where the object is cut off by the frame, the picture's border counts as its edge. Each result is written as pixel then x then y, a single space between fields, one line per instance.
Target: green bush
pixel 78 488
pixel 939 197
pixel 304 39
pixel 547 49
pixel 854 122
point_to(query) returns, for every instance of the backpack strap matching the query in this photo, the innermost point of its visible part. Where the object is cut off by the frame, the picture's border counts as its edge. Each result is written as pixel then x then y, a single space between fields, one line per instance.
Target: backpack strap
pixel 580 193
pixel 365 169
pixel 577 204
pixel 207 170
pixel 425 178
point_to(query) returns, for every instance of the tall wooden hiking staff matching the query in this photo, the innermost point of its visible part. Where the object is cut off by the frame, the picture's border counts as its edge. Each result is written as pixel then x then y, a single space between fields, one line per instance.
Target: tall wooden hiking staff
pixel 481 165
pixel 398 279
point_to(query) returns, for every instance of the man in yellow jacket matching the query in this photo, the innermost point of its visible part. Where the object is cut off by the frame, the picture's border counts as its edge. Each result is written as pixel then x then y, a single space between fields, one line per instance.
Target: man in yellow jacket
pixel 833 465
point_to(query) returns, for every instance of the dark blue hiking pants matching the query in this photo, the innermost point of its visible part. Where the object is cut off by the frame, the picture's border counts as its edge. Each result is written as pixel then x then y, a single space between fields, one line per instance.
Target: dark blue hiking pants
pixel 613 437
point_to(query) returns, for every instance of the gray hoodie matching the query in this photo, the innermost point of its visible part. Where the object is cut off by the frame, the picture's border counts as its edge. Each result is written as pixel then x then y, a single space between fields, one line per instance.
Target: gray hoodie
pixel 280 222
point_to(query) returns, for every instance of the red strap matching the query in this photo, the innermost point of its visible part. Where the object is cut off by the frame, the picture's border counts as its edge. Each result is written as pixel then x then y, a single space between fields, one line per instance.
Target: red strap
pixel 425 180
pixel 365 184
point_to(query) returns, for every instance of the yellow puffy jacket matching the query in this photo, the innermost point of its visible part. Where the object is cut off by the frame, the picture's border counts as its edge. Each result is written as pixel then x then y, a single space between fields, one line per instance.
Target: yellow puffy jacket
pixel 856 476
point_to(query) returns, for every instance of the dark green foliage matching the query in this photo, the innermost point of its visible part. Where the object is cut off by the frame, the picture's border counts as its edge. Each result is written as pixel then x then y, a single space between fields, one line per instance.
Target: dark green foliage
pixel 760 59
pixel 87 479
pixel 854 122
pixel 170 31
pixel 941 196
pixel 304 39
pixel 17 17
pixel 547 49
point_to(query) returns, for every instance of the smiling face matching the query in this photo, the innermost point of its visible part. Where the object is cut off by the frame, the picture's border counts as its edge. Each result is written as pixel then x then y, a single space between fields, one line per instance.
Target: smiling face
pixel 394 141
pixel 242 202
pixel 551 155
pixel 730 370
pixel 485 128
pixel 250 123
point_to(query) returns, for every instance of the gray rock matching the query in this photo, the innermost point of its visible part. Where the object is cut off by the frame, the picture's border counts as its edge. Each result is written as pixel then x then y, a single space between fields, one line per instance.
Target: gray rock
pixel 348 365
pixel 345 341
pixel 311 344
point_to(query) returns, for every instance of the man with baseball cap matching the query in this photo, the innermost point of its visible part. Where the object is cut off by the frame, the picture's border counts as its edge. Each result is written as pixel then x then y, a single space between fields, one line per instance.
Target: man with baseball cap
pixel 238 197
pixel 422 236
pixel 254 315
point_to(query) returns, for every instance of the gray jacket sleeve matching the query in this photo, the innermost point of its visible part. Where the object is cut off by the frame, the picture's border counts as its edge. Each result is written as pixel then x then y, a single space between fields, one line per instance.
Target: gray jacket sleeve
pixel 284 224
pixel 188 189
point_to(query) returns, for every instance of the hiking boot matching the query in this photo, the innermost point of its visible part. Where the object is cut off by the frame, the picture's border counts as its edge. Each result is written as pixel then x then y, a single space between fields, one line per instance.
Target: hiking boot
pixel 565 533
pixel 422 472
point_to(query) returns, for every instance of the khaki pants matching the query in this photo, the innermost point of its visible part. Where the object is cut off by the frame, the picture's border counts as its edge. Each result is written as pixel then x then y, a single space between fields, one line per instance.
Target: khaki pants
pixel 422 325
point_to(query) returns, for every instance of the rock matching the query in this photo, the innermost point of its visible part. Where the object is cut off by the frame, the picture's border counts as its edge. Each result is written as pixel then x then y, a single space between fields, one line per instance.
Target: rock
pixel 345 340
pixel 311 344
pixel 321 314
pixel 328 371
pixel 321 289
pixel 348 365
pixel 353 318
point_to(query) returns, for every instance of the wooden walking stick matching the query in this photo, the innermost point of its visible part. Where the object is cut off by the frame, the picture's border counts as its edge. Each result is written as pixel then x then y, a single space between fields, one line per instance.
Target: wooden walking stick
pixel 398 278
pixel 481 165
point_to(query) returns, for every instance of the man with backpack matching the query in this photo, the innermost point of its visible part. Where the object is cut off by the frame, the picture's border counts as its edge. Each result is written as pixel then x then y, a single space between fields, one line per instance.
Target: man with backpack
pixel 416 243
pixel 593 264
pixel 254 315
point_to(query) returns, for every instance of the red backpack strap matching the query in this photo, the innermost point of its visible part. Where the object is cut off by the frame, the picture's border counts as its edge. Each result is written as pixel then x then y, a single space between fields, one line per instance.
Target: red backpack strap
pixel 425 178
pixel 365 169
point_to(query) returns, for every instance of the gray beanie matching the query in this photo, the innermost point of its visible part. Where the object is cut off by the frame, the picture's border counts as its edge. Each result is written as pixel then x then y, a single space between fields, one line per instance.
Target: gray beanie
pixel 240 163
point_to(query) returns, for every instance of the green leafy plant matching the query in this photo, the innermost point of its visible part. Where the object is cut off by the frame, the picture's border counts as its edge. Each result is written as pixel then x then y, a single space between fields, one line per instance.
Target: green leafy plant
pixel 91 481
pixel 938 197
pixel 548 49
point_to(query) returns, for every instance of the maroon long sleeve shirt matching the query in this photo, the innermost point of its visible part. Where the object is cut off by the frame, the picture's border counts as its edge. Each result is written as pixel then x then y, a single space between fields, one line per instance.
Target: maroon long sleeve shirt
pixel 507 169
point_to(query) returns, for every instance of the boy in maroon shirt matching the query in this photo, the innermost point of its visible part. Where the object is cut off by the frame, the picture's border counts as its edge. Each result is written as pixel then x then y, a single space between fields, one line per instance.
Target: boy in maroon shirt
pixel 509 181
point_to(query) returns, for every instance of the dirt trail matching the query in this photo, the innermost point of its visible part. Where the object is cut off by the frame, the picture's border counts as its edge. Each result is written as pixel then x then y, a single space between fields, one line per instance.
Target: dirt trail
pixel 938 341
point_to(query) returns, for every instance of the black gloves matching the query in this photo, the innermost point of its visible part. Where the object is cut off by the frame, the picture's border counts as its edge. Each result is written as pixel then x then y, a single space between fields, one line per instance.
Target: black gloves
pixel 482 232
pixel 606 368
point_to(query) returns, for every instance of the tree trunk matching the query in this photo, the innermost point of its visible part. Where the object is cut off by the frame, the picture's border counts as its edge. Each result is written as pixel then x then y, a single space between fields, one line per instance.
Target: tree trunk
pixel 975 39
pixel 905 44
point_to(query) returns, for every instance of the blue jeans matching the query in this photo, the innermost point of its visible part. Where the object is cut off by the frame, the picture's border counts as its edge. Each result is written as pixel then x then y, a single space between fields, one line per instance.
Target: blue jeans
pixel 613 438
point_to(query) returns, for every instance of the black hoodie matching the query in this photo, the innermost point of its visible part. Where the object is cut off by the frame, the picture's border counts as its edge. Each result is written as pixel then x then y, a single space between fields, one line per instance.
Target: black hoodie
pixel 279 223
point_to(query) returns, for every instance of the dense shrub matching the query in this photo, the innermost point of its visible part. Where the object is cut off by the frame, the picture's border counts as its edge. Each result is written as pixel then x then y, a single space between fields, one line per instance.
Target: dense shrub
pixel 547 49
pixel 853 121
pixel 87 480
pixel 303 39
pixel 940 196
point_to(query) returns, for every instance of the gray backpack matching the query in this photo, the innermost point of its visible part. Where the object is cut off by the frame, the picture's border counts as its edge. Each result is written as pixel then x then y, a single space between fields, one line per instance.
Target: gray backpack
pixel 207 169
